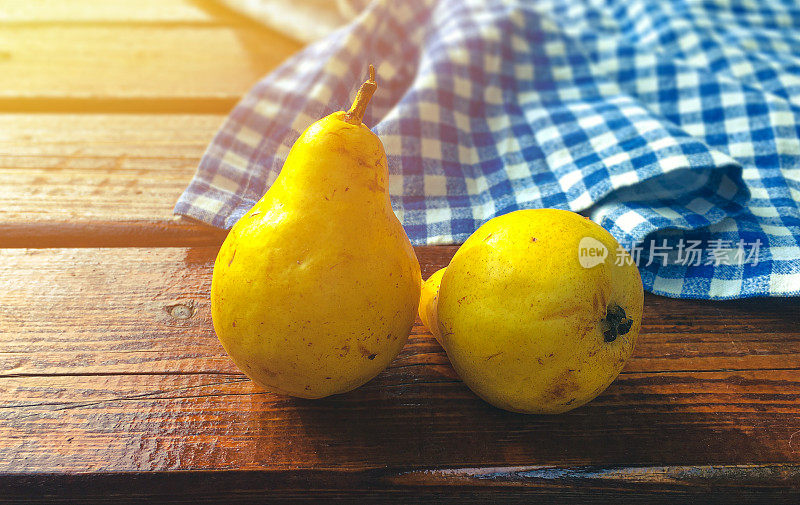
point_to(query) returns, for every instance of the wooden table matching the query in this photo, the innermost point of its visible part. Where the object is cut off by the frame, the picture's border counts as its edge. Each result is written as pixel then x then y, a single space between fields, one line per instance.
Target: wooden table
pixel 114 387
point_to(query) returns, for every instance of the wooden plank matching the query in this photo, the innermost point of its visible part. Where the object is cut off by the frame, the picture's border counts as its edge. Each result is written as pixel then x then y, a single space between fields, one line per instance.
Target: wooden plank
pixel 151 11
pixel 718 484
pixel 209 68
pixel 100 179
pixel 108 363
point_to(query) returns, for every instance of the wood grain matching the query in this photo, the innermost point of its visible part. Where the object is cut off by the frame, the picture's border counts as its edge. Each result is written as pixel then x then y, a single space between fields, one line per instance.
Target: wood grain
pixel 718 484
pixel 141 62
pixel 87 180
pixel 108 363
pixel 98 180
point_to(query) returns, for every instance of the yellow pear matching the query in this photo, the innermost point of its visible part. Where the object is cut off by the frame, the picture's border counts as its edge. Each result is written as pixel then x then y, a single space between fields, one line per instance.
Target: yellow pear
pixel 315 289
pixel 538 310
pixel 429 301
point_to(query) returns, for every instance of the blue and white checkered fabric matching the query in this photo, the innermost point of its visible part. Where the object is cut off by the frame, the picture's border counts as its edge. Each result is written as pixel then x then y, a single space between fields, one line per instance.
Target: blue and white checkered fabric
pixel 675 124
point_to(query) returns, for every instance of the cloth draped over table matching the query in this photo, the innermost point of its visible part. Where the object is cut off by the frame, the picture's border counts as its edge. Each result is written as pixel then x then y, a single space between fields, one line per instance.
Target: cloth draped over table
pixel 675 125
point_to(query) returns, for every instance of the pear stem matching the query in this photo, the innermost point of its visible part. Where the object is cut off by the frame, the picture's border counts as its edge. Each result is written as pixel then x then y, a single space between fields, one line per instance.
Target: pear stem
pixel 356 112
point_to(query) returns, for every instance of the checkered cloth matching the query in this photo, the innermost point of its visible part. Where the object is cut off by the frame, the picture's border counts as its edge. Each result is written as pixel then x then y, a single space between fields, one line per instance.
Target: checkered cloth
pixel 674 124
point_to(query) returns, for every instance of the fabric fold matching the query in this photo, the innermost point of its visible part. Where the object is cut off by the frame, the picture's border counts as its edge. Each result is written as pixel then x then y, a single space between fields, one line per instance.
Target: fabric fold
pixel 664 123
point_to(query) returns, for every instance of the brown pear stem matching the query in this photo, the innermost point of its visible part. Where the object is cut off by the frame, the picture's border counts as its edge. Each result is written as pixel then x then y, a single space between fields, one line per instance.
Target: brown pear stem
pixel 356 112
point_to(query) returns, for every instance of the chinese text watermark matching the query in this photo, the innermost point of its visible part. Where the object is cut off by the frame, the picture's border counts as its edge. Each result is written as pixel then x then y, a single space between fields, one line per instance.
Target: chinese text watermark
pixel 683 252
